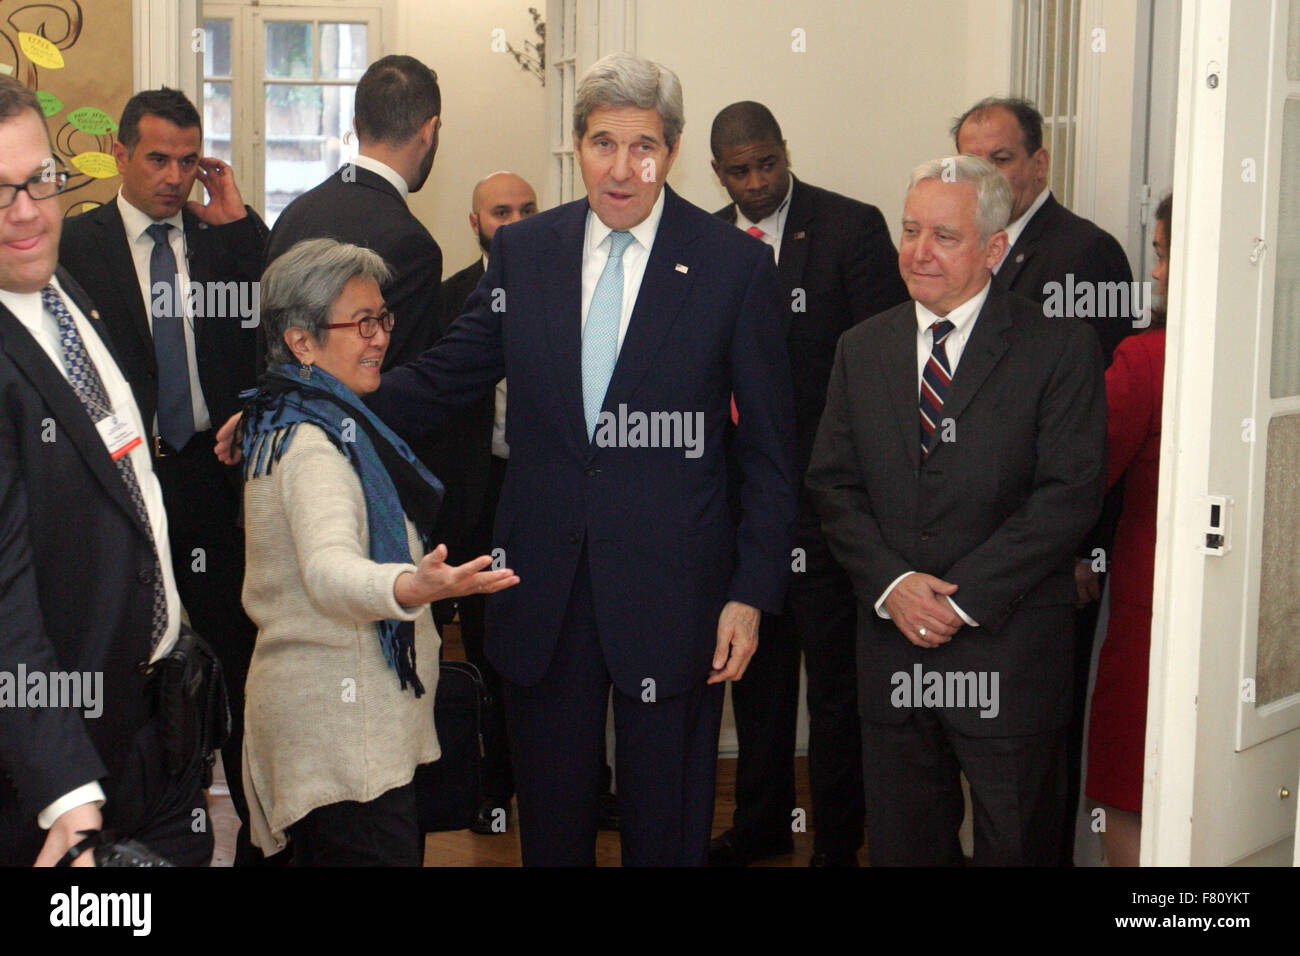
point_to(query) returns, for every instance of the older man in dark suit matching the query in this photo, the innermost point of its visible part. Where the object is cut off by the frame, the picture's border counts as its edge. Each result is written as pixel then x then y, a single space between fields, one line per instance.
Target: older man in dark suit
pixel 86 586
pixel 624 322
pixel 1053 254
pixel 960 459
pixel 837 265
pixel 176 284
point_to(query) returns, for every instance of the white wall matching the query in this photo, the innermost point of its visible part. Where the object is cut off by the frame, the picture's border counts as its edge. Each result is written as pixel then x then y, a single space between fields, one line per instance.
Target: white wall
pixel 871 98
pixel 493 113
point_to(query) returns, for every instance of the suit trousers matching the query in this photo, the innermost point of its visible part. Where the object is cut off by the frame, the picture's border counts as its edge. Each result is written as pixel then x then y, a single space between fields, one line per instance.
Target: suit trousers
pixel 665 751
pixel 203 508
pixel 914 799
pixel 821 613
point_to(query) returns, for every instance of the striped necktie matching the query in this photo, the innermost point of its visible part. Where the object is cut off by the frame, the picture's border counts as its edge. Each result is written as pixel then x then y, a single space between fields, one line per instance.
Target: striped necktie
pixel 85 381
pixel 934 385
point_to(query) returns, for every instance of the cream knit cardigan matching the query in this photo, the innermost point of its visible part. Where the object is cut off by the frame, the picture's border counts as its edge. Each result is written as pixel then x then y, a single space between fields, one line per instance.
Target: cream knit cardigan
pixel 324 717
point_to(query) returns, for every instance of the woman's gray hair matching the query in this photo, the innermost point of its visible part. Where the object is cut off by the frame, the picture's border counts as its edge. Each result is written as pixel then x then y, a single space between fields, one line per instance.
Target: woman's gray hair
pixel 300 287
pixel 992 194
pixel 622 79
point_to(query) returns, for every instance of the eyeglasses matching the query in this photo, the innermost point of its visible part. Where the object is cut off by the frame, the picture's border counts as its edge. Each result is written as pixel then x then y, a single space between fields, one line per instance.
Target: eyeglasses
pixel 368 326
pixel 41 186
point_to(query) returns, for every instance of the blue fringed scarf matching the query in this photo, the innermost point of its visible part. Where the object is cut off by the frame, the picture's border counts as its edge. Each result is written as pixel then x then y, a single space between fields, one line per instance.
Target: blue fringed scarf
pixel 393 480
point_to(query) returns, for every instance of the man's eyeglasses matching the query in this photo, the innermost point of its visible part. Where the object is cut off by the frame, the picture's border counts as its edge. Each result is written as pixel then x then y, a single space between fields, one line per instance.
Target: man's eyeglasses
pixel 41 186
pixel 368 326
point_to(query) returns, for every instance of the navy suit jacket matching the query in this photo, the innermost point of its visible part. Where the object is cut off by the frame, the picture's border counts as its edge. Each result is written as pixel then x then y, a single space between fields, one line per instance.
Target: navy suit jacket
pixel 663 552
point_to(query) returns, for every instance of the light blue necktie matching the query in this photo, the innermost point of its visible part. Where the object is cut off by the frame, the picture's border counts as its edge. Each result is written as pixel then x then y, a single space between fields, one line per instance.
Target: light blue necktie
pixel 600 335
pixel 175 405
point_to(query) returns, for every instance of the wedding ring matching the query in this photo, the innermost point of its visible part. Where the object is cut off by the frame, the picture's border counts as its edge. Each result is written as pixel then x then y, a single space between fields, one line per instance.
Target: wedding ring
pixel 921 632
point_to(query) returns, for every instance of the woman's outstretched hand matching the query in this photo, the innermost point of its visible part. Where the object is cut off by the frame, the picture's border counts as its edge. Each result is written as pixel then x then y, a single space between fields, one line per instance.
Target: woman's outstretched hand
pixel 435 580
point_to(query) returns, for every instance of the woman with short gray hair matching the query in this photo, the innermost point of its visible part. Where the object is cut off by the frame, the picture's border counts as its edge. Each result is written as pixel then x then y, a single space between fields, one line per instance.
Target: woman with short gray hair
pixel 338 520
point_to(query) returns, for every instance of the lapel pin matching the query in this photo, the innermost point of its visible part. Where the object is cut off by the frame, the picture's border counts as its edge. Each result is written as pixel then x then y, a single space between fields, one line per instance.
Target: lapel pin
pixel 799 235
pixel 1020 258
pixel 94 314
pixel 682 269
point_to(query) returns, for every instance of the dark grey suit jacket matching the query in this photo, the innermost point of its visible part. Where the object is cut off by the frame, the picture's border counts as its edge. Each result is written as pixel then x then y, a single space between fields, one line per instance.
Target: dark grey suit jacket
pixel 998 511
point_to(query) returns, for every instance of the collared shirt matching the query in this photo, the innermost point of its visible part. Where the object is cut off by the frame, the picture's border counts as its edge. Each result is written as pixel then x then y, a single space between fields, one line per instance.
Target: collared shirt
pixel 499 446
pixel 1014 229
pixel 963 319
pixel 383 169
pixel 141 245
pixel 44 328
pixel 773 226
pixel 595 253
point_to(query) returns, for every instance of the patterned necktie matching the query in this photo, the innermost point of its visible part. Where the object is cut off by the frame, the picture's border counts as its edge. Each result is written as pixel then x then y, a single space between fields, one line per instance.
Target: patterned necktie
pixel 85 381
pixel 600 335
pixel 934 385
pixel 175 405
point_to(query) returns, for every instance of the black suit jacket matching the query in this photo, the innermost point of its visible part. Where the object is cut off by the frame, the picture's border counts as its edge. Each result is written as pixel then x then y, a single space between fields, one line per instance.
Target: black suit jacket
pixel 997 511
pixel 360 207
pixel 76 594
pixel 1056 243
pixel 838 251
pixel 94 250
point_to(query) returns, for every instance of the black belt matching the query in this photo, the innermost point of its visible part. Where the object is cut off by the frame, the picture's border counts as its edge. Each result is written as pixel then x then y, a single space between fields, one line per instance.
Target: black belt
pixel 199 442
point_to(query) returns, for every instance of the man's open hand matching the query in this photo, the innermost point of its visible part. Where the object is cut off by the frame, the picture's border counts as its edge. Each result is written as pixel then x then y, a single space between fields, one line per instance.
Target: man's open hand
pixel 737 641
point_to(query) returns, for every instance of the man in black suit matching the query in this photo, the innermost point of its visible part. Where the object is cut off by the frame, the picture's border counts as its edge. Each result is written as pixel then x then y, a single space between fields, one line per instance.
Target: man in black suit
pixel 86 585
pixel 837 265
pixel 176 283
pixel 1052 249
pixel 364 203
pixel 959 461
pixel 471 453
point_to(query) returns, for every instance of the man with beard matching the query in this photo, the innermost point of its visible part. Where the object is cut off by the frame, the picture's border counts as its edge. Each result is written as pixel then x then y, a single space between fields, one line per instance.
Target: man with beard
pixel 364 202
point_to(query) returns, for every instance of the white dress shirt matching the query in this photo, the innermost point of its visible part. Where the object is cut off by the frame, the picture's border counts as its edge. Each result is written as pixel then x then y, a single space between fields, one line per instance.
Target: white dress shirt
pixel 963 319
pixel 595 253
pixel 1014 229
pixel 44 328
pixel 141 244
pixel 773 226
pixel 384 170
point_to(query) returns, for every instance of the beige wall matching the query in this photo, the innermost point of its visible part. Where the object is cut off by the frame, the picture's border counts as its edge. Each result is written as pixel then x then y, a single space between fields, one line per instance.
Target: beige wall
pixel 872 96
pixel 493 112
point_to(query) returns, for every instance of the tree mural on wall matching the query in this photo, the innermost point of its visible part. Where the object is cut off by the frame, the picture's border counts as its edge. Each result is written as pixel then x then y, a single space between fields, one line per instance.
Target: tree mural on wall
pixel 79 65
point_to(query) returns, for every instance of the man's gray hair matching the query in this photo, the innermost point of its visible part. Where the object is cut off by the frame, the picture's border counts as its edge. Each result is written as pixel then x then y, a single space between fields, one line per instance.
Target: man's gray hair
pixel 992 194
pixel 300 287
pixel 622 79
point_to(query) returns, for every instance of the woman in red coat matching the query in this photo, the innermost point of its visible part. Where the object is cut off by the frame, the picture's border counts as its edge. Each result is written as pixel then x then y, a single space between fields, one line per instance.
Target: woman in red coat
pixel 1117 728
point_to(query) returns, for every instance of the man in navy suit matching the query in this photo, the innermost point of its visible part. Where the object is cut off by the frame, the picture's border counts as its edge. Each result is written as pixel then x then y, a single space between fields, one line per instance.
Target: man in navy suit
pixel 625 322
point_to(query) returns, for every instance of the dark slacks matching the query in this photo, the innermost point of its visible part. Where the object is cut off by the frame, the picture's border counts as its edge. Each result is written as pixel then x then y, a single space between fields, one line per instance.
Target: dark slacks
pixel 821 614
pixel 203 505
pixel 666 756
pixel 381 832
pixel 914 799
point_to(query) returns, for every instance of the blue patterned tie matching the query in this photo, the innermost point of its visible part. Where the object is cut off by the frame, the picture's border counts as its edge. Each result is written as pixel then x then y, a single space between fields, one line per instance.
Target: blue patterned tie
pixel 600 335
pixel 85 381
pixel 934 384
pixel 175 405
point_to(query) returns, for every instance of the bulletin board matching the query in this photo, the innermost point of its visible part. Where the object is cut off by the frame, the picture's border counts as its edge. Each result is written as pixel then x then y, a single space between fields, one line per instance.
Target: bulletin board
pixel 77 57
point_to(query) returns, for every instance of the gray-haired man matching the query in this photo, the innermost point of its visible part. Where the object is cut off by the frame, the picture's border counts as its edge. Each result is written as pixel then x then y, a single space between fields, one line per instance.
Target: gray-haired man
pixel 960 459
